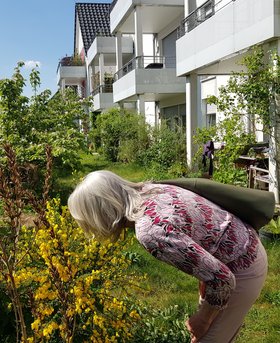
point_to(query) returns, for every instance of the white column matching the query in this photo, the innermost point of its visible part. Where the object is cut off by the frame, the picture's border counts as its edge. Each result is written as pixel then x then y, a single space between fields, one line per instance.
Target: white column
pixel 157 113
pixel 274 157
pixel 186 8
pixel 63 85
pixel 89 79
pixel 119 63
pixel 193 113
pixel 138 31
pixel 140 105
pixel 93 75
pixel 101 69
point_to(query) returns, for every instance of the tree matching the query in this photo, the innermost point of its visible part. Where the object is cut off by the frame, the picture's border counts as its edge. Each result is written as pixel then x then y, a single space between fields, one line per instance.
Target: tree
pixel 29 124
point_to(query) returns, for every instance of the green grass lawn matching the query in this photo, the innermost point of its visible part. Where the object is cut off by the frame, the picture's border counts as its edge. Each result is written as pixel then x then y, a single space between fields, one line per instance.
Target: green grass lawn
pixel 167 286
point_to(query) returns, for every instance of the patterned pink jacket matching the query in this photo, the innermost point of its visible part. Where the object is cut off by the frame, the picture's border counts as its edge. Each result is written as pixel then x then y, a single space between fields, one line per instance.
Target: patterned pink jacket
pixel 198 237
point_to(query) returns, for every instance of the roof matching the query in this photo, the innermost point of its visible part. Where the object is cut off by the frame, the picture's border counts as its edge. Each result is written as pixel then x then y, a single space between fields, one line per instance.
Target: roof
pixel 94 20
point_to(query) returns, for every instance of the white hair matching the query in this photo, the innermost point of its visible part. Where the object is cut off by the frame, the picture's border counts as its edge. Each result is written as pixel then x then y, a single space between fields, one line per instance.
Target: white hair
pixel 102 201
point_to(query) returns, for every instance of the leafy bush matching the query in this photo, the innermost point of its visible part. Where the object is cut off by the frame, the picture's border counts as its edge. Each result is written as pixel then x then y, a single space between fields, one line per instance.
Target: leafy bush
pixel 125 137
pixel 273 226
pixel 165 326
pixel 167 147
pixel 120 135
pixel 167 150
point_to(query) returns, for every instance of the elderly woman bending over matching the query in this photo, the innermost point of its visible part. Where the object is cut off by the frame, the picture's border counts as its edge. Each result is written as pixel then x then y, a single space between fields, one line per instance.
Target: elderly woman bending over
pixel 187 231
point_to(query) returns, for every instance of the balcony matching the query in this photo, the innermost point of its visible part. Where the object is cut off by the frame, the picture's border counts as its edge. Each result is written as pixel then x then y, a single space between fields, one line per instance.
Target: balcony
pixel 155 14
pixel 102 89
pixel 220 30
pixel 70 71
pixel 153 76
pixel 103 97
pixel 145 62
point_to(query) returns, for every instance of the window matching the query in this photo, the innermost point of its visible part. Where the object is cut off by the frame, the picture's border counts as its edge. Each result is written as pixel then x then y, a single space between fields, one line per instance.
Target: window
pixel 210 119
pixel 175 116
pixel 205 11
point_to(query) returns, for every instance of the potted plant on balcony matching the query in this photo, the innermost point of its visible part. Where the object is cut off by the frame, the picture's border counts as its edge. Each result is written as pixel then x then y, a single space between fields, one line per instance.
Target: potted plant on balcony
pixel 271 231
pixel 77 60
pixel 108 82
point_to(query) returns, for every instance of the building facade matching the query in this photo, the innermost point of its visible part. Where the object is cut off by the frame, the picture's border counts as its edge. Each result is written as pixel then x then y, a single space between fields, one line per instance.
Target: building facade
pixel 163 58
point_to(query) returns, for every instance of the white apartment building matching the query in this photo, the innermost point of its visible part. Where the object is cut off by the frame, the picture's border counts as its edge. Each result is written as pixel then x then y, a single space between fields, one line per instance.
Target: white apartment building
pixel 164 57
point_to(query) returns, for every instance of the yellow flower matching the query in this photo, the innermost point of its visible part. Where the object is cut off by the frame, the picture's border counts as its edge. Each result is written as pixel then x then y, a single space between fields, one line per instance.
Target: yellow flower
pixel 35 325
pixel 134 314
pixel 49 329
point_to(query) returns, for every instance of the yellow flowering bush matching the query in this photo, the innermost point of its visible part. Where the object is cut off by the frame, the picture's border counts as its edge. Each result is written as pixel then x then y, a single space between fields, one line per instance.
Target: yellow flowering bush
pixel 56 285
pixel 76 289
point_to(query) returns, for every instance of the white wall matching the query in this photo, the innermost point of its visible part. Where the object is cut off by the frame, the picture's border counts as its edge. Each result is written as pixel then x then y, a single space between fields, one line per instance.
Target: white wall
pixel 148 45
pixel 80 44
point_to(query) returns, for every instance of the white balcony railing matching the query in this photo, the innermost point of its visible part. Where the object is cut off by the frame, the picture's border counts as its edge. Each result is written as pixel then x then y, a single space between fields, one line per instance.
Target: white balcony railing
pixel 106 88
pixel 146 62
pixel 200 14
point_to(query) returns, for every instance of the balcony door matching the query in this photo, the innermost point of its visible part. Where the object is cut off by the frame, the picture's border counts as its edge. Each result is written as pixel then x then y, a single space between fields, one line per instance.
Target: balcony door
pixel 169 49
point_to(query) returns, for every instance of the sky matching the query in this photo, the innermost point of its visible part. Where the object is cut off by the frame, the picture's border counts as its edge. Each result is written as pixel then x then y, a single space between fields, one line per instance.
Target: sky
pixel 37 32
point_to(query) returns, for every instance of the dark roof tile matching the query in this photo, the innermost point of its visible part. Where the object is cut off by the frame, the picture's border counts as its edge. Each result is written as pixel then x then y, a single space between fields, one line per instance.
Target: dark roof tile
pixel 94 19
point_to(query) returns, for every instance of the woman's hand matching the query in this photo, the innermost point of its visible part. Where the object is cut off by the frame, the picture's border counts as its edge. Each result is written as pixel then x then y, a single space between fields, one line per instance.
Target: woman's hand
pixel 199 323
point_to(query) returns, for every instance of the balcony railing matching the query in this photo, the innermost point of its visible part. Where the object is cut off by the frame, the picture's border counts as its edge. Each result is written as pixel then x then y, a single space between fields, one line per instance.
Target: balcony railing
pixel 106 88
pixel 70 61
pixel 146 62
pixel 199 15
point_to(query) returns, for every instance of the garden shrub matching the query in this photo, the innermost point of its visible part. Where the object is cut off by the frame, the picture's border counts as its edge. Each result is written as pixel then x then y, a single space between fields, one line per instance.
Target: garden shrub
pixel 164 326
pixel 76 289
pixel 120 135
pixel 123 136
pixel 58 285
pixel 166 155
